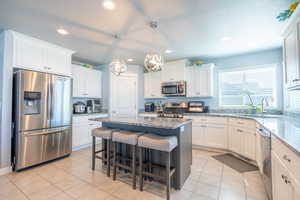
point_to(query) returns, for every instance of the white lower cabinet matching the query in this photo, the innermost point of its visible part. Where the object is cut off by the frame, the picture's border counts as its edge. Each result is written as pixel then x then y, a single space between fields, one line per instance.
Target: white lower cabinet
pixel 249 145
pixel 216 136
pixel 235 139
pixel 210 135
pixel 82 129
pixel 198 134
pixel 243 141
pixel 285 186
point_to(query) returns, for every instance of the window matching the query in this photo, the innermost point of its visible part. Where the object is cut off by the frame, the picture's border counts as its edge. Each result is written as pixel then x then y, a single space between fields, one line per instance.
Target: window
pixel 235 86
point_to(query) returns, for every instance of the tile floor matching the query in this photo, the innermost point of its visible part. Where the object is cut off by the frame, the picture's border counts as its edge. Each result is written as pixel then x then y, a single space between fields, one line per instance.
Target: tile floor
pixel 72 178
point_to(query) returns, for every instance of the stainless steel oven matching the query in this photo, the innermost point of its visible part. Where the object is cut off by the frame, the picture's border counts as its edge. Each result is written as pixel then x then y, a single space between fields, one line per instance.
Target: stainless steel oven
pixel 177 88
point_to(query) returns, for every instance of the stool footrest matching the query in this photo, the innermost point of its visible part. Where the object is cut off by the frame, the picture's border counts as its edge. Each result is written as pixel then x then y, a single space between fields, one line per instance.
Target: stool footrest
pixel 159 177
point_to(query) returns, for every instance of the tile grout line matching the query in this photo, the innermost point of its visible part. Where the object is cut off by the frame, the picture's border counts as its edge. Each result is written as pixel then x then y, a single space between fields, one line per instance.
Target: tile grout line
pixel 221 182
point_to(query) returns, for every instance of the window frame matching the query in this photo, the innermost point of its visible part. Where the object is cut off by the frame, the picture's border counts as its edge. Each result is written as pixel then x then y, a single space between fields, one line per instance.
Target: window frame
pixel 236 69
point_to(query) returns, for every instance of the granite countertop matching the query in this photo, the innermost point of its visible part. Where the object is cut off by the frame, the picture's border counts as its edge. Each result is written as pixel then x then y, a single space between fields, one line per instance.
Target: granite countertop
pixel 166 123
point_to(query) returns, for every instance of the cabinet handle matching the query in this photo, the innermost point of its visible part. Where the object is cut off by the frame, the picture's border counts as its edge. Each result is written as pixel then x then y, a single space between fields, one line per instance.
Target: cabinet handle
pixel 239 130
pixel 203 126
pixel 296 80
pixel 285 157
pixel 240 123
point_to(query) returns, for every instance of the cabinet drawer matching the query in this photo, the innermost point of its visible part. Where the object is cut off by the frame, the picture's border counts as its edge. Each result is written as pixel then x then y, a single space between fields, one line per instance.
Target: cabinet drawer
pixel 247 123
pixel 209 120
pixel 85 118
pixel 289 158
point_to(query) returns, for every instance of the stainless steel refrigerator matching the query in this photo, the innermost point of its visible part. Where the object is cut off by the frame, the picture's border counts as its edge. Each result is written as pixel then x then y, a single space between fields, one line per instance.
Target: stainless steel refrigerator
pixel 42 118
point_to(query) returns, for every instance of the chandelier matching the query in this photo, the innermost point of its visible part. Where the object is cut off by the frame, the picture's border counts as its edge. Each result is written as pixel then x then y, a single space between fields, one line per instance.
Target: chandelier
pixel 153 60
pixel 118 66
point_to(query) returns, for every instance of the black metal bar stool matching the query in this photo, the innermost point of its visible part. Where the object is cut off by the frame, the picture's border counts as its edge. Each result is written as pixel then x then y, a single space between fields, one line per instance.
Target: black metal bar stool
pixel 160 143
pixel 105 134
pixel 128 138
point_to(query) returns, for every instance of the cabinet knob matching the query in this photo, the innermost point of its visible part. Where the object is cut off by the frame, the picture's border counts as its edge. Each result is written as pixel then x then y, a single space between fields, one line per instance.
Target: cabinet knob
pixel 285 157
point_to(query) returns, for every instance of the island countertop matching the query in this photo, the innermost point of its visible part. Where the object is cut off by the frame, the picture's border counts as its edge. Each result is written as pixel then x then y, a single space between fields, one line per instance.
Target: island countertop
pixel 155 122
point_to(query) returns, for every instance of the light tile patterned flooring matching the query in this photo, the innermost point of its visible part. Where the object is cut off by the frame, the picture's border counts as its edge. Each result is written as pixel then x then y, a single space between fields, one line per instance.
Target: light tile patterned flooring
pixel 72 178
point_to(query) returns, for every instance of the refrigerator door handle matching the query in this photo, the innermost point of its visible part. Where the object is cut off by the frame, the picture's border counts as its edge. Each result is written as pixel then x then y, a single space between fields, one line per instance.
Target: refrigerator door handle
pixel 45 132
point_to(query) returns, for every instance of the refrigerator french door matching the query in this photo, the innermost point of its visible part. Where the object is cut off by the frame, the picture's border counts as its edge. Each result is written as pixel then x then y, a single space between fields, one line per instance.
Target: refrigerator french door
pixel 42 118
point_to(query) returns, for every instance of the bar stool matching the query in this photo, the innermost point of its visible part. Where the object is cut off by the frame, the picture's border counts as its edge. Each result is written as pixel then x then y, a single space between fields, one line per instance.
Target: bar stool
pixel 105 134
pixel 129 138
pixel 161 143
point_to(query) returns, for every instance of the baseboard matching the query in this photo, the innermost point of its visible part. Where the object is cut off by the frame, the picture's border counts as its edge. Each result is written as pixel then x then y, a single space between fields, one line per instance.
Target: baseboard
pixel 5 170
pixel 83 146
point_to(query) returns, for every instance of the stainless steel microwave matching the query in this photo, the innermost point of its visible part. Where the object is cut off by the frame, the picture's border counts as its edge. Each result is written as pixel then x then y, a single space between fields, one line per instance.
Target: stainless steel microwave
pixel 177 88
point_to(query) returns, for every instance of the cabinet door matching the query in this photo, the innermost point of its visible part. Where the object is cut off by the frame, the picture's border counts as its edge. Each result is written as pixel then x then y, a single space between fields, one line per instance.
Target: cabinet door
pixel 76 139
pixel 234 140
pixel 291 56
pixel 191 82
pixel 295 189
pixel 156 84
pixel 174 71
pixel 249 145
pixel 147 85
pixel 29 55
pixel 198 135
pixel 216 136
pixel 93 84
pixel 58 61
pixel 204 82
pixel 281 190
pixel 79 81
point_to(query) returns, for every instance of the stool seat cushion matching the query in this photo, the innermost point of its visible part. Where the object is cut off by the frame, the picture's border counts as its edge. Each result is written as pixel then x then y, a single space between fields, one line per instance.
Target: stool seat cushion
pixel 104 133
pixel 126 137
pixel 156 142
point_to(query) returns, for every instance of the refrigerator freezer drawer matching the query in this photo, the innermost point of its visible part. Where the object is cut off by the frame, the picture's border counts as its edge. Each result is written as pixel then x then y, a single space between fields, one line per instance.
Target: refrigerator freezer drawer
pixel 44 145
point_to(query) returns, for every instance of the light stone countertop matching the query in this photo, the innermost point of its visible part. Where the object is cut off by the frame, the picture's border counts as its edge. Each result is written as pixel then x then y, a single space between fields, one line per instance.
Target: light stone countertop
pixel 155 122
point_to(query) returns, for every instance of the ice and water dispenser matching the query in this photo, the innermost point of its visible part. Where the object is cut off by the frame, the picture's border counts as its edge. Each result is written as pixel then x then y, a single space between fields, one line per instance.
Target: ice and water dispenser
pixel 32 103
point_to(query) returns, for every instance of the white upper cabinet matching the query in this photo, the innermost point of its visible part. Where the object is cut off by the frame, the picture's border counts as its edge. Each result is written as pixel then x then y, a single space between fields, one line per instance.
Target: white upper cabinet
pixel 58 61
pixel 291 45
pixel 86 82
pixel 28 54
pixel 33 54
pixel 174 71
pixel 152 85
pixel 200 81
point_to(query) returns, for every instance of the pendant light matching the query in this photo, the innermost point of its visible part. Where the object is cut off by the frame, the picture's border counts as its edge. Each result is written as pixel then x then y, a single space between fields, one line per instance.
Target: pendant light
pixel 118 65
pixel 153 60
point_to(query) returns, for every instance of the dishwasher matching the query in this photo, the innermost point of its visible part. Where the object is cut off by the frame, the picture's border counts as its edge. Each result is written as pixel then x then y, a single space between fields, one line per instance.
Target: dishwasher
pixel 264 159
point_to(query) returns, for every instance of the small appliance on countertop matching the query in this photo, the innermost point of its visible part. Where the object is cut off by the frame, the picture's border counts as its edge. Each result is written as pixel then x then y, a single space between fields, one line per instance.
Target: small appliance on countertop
pixel 95 105
pixel 149 107
pixel 197 107
pixel 79 108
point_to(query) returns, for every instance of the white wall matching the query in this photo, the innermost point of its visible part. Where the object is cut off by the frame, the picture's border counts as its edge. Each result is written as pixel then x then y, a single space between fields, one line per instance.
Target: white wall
pixel 136 69
pixel 6 99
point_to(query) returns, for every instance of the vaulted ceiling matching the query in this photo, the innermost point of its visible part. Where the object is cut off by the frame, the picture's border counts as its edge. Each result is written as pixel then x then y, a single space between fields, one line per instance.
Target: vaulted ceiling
pixel 190 28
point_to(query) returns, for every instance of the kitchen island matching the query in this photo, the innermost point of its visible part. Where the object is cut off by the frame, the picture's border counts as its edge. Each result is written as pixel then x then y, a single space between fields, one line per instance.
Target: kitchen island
pixel 182 128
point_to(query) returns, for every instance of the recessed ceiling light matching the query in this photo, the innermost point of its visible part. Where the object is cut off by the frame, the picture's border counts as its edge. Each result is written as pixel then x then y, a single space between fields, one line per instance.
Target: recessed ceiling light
pixel 226 38
pixel 168 51
pixel 129 59
pixel 108 4
pixel 62 31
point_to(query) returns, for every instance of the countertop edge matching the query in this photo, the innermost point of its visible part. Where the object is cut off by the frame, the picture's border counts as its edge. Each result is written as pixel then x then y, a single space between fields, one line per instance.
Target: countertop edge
pixel 133 124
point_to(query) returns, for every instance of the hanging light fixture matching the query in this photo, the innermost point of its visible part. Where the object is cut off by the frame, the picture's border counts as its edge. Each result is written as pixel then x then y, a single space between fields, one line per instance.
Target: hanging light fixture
pixel 153 60
pixel 118 66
